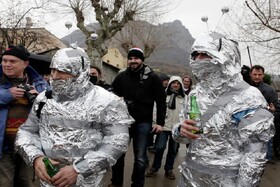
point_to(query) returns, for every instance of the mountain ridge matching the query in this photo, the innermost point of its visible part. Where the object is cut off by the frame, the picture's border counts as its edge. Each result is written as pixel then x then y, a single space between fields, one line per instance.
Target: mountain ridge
pixel 171 57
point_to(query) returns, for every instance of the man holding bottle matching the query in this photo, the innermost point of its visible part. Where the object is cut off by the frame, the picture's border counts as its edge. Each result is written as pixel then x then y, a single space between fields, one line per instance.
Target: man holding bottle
pixel 231 149
pixel 80 127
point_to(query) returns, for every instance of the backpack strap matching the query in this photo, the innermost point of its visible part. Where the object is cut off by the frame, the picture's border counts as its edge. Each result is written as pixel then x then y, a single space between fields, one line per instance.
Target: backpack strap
pixel 48 94
pixel 223 100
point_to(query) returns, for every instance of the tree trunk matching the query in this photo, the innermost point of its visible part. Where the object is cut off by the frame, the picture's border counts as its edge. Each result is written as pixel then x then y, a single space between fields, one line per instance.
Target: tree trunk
pixel 94 56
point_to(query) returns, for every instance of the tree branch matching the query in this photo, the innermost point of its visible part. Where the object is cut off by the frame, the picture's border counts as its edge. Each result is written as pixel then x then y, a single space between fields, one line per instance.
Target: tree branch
pixel 265 23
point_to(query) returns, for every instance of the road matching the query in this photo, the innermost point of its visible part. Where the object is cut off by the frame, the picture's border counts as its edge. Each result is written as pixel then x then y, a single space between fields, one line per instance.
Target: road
pixel 270 178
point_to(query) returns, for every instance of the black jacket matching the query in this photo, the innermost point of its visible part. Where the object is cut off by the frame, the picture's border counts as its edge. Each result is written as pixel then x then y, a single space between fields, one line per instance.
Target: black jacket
pixel 270 96
pixel 140 90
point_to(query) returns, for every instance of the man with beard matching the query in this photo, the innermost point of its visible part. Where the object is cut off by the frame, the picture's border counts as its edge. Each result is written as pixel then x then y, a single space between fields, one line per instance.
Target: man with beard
pixel 81 128
pixel 140 87
pixel 231 150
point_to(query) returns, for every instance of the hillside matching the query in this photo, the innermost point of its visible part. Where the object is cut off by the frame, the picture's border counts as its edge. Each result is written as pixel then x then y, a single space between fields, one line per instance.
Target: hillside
pixel 172 56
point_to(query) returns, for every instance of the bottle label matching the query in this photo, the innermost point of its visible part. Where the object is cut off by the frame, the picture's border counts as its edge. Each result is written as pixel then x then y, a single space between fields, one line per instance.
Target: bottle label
pixel 51 169
pixel 199 126
pixel 196 117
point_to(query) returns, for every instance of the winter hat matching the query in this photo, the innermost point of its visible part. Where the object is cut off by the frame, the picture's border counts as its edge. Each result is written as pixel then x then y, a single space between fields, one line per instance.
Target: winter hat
pixel 163 77
pixel 17 51
pixel 136 52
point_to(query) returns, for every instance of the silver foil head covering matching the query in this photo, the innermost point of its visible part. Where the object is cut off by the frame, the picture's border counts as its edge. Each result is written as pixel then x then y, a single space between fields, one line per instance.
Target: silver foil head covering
pixel 71 60
pixel 220 72
pixel 75 62
pixel 219 47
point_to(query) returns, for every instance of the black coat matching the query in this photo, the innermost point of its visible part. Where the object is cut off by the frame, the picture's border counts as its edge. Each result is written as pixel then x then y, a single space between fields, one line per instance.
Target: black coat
pixel 140 91
pixel 270 96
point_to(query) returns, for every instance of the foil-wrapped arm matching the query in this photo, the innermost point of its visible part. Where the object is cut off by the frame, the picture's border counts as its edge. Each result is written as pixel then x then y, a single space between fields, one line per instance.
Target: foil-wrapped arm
pixel 177 135
pixel 28 142
pixel 115 141
pixel 255 130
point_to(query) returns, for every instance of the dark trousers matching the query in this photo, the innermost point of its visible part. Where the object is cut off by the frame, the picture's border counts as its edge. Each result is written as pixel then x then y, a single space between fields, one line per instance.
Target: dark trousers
pixel 14 172
pixel 163 138
pixel 276 141
pixel 139 133
pixel 118 171
pixel 151 139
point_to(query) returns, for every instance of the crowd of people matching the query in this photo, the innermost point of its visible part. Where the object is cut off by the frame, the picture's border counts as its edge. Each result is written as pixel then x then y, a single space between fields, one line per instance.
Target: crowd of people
pixel 84 126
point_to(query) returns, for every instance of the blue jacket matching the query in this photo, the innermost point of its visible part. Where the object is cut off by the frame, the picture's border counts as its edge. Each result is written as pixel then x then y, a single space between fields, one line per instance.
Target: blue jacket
pixel 6 97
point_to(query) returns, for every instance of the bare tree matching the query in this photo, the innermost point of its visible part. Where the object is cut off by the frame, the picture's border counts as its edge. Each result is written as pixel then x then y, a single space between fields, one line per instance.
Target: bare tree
pixel 112 15
pixel 16 23
pixel 259 28
pixel 142 34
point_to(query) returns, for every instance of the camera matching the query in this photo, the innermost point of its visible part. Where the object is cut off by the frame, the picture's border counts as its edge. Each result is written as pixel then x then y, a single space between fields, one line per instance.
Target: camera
pixel 245 72
pixel 30 97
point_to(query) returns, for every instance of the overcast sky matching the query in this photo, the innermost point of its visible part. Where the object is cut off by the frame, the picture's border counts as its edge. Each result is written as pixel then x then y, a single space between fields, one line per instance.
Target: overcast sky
pixel 190 13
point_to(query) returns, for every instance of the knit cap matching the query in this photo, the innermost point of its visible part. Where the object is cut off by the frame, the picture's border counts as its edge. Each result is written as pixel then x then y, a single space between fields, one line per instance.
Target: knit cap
pixel 17 51
pixel 136 52
pixel 163 77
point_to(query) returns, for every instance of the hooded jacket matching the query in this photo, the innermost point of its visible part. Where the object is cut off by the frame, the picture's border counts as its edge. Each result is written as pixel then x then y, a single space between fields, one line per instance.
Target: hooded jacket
pixel 6 97
pixel 237 126
pixel 81 125
pixel 172 115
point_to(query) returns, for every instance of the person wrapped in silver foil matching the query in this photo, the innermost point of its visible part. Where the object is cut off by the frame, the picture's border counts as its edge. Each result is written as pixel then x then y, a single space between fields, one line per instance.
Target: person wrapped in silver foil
pixel 82 128
pixel 236 123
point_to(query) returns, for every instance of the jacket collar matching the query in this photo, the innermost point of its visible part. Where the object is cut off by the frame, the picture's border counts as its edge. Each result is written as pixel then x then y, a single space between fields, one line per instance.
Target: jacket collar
pixel 32 73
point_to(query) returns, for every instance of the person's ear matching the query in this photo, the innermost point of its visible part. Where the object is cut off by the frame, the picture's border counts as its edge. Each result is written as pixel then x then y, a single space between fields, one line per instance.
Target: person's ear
pixel 26 63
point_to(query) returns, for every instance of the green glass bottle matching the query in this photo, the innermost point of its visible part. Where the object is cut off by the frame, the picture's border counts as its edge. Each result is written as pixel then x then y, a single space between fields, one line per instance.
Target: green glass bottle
pixel 194 114
pixel 51 169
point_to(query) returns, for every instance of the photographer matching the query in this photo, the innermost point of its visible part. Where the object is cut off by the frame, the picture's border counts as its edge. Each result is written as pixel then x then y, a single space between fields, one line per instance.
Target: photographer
pixel 16 99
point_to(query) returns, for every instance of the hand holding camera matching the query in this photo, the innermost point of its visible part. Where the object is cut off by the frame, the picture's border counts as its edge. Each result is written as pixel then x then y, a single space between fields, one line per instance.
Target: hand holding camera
pixel 27 91
pixel 17 92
